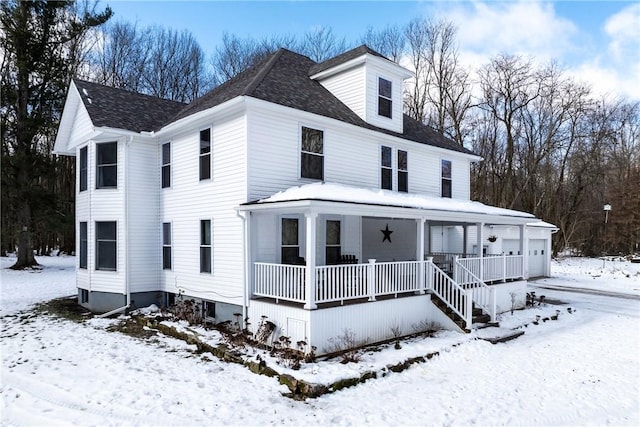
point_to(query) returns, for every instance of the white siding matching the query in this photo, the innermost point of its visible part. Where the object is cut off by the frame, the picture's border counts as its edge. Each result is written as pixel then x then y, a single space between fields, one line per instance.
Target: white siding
pixel 143 232
pixel 395 123
pixel 349 87
pixel 102 205
pixel 190 200
pixel 351 155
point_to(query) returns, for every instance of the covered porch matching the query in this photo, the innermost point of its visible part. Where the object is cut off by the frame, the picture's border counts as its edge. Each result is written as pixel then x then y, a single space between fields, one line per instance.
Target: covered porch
pixel 326 245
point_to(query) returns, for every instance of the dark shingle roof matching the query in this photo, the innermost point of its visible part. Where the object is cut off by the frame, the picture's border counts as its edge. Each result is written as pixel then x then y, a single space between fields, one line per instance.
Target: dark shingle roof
pixel 343 57
pixel 121 109
pixel 282 78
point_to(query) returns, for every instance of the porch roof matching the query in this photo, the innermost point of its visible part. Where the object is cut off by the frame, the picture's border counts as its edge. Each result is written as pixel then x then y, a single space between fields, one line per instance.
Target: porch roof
pixel 333 198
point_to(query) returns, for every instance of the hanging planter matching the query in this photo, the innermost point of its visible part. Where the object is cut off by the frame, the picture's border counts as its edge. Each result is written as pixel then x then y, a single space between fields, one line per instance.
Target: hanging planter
pixel 492 239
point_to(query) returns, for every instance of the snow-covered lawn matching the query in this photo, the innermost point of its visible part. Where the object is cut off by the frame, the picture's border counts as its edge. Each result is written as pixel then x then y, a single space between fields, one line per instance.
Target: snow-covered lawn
pixel 583 369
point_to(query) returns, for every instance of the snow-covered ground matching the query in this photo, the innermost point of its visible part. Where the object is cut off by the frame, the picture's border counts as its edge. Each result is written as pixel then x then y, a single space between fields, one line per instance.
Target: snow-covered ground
pixel 583 369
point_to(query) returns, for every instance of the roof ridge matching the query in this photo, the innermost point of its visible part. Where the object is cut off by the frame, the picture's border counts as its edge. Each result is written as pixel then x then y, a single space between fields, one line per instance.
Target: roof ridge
pixel 128 91
pixel 257 79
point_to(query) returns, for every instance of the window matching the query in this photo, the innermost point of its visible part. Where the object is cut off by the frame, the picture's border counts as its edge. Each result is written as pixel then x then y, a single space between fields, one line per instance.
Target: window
pixel 205 246
pixel 384 97
pixel 333 250
pixel 386 173
pixel 106 245
pixel 209 309
pixel 166 246
pixel 312 161
pixel 446 178
pixel 107 165
pixel 403 174
pixel 205 154
pixel 84 296
pixel 166 165
pixel 290 247
pixel 83 169
pixel 83 245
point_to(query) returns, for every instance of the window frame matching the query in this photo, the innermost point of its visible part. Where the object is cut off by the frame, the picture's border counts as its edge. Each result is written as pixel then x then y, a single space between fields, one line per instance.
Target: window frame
pixel 383 99
pixel 205 156
pixel 308 174
pixel 83 248
pixel 330 246
pixel 288 246
pixel 403 184
pixel 99 240
pixel 167 250
pixel 446 182
pixel 386 170
pixel 206 246
pixel 102 167
pixel 165 166
pixel 83 169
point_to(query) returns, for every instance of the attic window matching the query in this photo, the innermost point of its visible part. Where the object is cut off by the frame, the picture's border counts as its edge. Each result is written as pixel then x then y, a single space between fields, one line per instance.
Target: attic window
pixel 384 97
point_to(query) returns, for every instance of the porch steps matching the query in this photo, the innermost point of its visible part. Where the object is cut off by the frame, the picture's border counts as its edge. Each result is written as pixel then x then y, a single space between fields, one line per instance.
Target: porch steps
pixel 479 319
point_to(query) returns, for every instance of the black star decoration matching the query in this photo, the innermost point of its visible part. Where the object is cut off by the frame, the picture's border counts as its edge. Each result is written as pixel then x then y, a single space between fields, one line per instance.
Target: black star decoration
pixel 387 234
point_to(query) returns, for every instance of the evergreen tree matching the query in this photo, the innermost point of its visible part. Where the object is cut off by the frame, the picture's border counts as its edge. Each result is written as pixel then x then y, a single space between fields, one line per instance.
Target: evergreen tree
pixel 42 43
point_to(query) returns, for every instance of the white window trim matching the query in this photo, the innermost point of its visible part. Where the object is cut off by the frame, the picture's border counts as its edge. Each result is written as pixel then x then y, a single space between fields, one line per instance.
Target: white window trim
pixel 326 218
pixel 170 164
pixel 394 166
pixel 162 246
pixel 95 247
pixel 324 152
pixel 378 115
pixel 210 179
pixel 441 177
pixel 210 246
pixel 301 235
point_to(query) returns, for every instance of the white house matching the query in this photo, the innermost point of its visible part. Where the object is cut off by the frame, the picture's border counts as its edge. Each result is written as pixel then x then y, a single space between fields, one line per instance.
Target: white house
pixel 297 191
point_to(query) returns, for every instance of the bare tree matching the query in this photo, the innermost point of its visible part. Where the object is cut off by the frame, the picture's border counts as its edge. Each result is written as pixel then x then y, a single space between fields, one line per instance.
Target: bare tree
pixel 321 43
pixel 389 41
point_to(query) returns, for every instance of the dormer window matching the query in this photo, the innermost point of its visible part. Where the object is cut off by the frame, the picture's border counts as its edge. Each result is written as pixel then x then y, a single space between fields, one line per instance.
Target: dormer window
pixel 384 97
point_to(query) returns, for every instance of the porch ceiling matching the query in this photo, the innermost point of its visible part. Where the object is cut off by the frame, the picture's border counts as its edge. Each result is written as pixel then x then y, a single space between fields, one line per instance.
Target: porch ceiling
pixel 340 199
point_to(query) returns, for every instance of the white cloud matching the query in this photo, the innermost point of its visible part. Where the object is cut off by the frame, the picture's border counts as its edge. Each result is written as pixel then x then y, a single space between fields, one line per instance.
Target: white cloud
pixel 534 30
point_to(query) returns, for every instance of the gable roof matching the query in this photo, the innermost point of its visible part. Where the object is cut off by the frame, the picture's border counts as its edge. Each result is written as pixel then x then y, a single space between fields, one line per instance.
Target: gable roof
pixel 118 108
pixel 281 78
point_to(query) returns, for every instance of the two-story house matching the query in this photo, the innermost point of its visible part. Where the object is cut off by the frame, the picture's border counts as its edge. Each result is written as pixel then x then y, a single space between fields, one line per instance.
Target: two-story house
pixel 298 191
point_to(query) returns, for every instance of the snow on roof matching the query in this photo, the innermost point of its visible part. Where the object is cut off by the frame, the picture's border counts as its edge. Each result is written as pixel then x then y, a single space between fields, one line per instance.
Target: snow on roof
pixel 541 224
pixel 344 193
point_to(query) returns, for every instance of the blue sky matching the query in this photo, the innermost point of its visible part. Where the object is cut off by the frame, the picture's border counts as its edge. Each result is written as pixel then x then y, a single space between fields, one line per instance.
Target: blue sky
pixel 597 41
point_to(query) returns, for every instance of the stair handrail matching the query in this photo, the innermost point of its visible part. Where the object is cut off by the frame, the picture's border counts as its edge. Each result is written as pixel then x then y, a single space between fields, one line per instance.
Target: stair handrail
pixel 476 282
pixel 465 295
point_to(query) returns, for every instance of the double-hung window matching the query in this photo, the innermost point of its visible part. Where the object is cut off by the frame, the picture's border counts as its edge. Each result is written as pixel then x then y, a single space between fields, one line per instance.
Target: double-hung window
pixel 290 246
pixel 107 165
pixel 166 165
pixel 312 156
pixel 106 245
pixel 403 173
pixel 384 97
pixel 166 246
pixel 83 169
pixel 83 245
pixel 205 154
pixel 332 249
pixel 386 168
pixel 205 246
pixel 446 178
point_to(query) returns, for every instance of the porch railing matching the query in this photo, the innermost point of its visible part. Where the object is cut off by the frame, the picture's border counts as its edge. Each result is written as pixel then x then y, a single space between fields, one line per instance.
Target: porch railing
pixel 495 268
pixel 458 299
pixel 280 281
pixel 483 296
pixel 339 283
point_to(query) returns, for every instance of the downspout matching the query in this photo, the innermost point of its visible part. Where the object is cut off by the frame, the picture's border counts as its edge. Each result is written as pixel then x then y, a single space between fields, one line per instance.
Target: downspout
pixel 126 222
pixel 245 265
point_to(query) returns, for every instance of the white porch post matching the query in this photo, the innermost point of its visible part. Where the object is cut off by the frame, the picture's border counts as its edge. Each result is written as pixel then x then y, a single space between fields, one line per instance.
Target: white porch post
pixel 310 255
pixel 371 279
pixel 480 226
pixel 420 255
pixel 524 250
